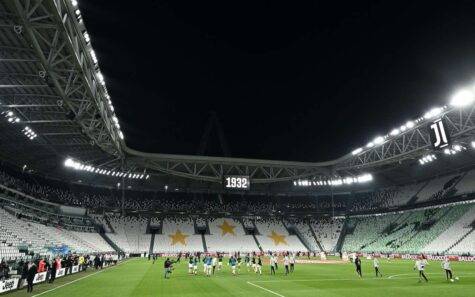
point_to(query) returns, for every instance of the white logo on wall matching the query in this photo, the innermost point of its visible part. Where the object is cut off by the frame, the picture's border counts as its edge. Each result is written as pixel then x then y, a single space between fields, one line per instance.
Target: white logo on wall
pixel 438 135
pixel 8 285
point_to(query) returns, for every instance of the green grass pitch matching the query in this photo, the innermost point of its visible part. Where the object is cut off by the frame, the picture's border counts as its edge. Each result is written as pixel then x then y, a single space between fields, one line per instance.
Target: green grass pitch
pixel 139 277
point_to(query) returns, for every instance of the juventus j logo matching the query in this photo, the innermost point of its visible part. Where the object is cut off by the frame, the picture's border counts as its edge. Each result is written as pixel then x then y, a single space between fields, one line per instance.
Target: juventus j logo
pixel 438 135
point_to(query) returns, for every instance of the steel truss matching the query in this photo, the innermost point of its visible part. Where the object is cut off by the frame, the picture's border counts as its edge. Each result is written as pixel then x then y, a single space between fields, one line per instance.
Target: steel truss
pixel 53 44
pixel 48 76
pixel 411 144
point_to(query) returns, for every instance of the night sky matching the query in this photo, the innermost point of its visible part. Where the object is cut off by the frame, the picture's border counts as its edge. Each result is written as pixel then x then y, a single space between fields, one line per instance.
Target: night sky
pixel 292 81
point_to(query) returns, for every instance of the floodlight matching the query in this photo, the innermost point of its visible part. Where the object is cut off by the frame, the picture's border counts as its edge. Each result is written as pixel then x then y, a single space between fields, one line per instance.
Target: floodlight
pixel 378 140
pixel 463 97
pixel 68 162
pixel 432 113
pixel 370 144
pixel 473 144
pixel 394 132
pixel 410 124
pixel 74 2
pixel 357 151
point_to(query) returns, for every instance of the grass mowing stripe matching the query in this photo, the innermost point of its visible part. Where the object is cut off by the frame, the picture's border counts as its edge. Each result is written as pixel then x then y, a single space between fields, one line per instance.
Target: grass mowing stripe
pixel 270 291
pixel 76 280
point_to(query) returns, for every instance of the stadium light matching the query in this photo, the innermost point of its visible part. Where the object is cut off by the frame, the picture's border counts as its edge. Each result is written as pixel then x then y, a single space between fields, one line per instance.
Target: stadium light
pixel 473 144
pixel 462 98
pixel 349 180
pixel 378 140
pixel 410 124
pixel 370 144
pixel 432 113
pixel 357 151
pixel 394 132
pixel 74 3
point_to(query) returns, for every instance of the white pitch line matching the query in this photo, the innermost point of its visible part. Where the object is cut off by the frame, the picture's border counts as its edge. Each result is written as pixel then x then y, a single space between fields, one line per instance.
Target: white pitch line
pixel 76 280
pixel 267 290
pixel 466 275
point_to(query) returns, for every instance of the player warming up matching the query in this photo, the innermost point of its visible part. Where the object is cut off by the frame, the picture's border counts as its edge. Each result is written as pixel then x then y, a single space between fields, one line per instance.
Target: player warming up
pixel 358 266
pixel 447 269
pixel 376 267
pixel 420 265
pixel 233 263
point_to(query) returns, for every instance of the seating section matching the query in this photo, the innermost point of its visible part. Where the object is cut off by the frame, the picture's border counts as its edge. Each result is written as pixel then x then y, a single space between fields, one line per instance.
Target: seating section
pixel 306 232
pixel 275 237
pixel 466 245
pixel 130 233
pixel 454 233
pixel 328 232
pixel 178 235
pixel 435 188
pixel 227 235
pixel 409 232
pixel 38 238
pixel 467 184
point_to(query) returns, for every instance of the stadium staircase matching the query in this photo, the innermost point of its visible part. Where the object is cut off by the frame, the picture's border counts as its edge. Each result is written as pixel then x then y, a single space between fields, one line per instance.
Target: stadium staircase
pixel 110 242
pixel 415 197
pixel 109 225
pixel 148 231
pixel 295 231
pixel 341 238
pixel 205 247
pixel 152 242
pixel 315 237
pixel 460 239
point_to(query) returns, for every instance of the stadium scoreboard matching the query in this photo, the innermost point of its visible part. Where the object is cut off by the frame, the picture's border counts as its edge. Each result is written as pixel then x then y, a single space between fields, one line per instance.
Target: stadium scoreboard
pixel 237 182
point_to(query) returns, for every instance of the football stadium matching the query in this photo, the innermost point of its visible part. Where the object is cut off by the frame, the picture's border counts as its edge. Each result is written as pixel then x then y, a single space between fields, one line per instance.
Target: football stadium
pixel 157 148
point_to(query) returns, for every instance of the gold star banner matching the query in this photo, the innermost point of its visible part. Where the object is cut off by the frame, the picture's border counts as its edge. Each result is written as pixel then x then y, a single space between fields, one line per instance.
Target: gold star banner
pixel 227 228
pixel 178 237
pixel 277 238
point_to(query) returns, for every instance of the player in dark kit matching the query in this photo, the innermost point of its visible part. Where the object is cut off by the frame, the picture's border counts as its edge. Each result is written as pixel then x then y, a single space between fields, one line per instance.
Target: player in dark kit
pixel 358 266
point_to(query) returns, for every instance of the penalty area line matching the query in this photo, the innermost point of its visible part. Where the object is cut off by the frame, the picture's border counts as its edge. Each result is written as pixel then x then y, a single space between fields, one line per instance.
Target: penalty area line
pixel 267 290
pixel 76 280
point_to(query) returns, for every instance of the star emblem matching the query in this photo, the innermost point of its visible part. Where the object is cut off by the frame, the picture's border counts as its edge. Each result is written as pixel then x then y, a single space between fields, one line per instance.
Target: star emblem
pixel 227 228
pixel 178 237
pixel 277 238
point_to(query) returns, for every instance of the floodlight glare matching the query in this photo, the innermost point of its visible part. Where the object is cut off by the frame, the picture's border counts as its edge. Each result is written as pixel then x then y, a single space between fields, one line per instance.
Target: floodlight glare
pixel 370 144
pixel 378 140
pixel 410 124
pixel 462 98
pixel 432 113
pixel 394 132
pixel 357 151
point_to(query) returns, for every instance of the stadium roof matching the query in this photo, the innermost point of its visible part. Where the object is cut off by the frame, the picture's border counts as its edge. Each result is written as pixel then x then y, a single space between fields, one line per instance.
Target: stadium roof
pixel 55 105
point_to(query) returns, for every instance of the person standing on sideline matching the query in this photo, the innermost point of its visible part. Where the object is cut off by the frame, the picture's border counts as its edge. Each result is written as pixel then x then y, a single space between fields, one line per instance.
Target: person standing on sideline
pixel 376 267
pixel 419 265
pixel 31 276
pixel 448 270
pixel 358 266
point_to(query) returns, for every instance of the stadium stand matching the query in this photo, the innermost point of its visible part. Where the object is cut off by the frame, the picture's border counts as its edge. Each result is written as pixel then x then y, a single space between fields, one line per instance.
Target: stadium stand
pixel 273 236
pixel 228 235
pixel 327 231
